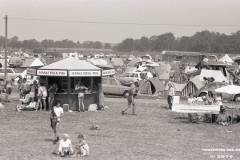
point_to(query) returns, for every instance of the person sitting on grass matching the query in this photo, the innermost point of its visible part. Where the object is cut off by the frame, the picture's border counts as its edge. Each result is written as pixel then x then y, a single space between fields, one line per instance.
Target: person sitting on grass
pixel 25 100
pixel 56 114
pixel 82 147
pixel 222 118
pixel 64 147
pixel 32 105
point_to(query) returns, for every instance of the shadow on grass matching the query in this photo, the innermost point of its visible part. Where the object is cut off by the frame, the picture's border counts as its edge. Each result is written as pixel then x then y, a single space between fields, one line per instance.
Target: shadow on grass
pixel 50 140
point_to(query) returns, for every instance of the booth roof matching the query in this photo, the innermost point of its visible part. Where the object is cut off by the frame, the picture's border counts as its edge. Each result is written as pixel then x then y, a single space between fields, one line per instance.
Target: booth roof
pixel 71 64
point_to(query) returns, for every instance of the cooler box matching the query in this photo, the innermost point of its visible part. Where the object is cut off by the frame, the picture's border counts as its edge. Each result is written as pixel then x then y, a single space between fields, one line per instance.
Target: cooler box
pixel 176 99
pixel 65 107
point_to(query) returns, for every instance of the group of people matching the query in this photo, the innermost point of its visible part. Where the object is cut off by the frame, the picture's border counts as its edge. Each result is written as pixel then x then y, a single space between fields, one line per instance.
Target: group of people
pixel 33 96
pixel 65 146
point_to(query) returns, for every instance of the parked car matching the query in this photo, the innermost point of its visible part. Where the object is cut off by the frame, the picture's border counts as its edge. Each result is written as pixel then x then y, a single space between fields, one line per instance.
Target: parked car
pixel 135 76
pixel 214 85
pixel 15 62
pixel 10 72
pixel 114 87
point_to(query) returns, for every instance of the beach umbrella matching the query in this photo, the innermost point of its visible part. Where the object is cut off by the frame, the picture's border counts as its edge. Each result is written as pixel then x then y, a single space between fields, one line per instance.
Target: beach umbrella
pixel 230 89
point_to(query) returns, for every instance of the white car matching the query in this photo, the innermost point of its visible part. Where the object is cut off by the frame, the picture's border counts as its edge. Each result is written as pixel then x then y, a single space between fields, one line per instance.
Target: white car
pixel 135 76
pixel 10 72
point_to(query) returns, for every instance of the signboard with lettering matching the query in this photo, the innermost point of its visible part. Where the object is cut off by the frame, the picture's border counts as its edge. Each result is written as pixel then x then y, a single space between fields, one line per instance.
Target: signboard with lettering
pixel 84 73
pixel 108 72
pixel 51 73
pixel 31 71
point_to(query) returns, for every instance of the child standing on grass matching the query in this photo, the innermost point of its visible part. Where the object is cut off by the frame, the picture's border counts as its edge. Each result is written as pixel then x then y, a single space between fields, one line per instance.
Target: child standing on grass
pixel 82 147
pixel 131 91
pixel 56 114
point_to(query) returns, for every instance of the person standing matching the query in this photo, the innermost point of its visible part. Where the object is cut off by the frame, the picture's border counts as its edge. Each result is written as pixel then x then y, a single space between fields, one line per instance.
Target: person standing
pixel 52 91
pixel 80 89
pixel 24 88
pixel 56 114
pixel 171 93
pixel 100 97
pixel 33 89
pixel 131 92
pixel 8 89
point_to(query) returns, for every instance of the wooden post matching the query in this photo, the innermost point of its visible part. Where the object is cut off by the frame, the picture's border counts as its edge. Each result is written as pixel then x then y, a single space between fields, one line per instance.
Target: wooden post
pixel 69 91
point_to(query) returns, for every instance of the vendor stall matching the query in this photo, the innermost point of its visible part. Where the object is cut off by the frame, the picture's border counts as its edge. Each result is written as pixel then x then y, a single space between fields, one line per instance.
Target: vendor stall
pixel 67 73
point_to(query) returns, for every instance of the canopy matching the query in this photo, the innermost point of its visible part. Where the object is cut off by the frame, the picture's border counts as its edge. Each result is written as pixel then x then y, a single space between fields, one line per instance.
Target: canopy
pixel 225 59
pixel 230 89
pixel 151 86
pixel 32 63
pixel 71 63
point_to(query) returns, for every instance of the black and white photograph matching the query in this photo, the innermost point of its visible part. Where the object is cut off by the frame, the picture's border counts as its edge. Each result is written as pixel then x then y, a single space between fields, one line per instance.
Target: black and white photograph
pixel 119 79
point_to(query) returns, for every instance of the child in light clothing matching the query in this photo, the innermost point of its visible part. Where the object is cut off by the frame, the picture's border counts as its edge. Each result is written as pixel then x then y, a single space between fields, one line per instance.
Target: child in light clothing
pixel 82 147
pixel 64 147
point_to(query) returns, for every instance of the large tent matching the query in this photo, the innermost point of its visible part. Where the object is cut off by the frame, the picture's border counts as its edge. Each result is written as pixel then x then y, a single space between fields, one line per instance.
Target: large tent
pixel 226 59
pixel 134 61
pixel 117 61
pixel 32 63
pixel 216 74
pixel 163 72
pixel 151 86
pixel 177 86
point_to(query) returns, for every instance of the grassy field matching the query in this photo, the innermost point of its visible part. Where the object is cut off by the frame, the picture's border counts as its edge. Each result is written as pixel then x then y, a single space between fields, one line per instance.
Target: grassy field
pixel 155 133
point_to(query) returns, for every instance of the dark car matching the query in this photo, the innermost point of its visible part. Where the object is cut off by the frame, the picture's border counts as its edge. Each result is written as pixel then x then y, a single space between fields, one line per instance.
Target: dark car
pixel 214 85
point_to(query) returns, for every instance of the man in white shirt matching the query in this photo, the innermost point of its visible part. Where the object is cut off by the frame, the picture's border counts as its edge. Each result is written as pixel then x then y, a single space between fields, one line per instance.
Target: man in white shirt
pixel 171 93
pixel 55 119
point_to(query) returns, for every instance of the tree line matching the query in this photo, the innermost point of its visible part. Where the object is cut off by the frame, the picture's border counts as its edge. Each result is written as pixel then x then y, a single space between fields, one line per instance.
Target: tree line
pixel 14 42
pixel 204 41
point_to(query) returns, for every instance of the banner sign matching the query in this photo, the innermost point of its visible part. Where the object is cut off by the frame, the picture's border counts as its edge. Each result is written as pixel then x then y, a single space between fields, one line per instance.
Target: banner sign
pixel 84 73
pixel 31 71
pixel 108 72
pixel 51 73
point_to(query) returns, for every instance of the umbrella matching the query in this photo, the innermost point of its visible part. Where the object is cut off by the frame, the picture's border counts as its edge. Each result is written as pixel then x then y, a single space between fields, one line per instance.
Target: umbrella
pixel 230 89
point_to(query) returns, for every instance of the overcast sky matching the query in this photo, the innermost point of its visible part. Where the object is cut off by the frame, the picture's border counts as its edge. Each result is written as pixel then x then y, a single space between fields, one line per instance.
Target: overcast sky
pixel 177 12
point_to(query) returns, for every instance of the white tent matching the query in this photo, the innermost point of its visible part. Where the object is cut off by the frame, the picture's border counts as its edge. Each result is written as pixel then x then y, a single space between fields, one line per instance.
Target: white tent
pixel 226 59
pixel 216 74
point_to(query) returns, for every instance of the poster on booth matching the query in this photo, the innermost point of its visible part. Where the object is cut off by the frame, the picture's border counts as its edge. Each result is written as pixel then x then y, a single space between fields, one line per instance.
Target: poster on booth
pixel 84 73
pixel 108 72
pixel 51 73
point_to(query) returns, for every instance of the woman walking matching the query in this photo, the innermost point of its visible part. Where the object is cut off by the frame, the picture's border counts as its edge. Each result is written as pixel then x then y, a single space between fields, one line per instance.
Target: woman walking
pixel 80 89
